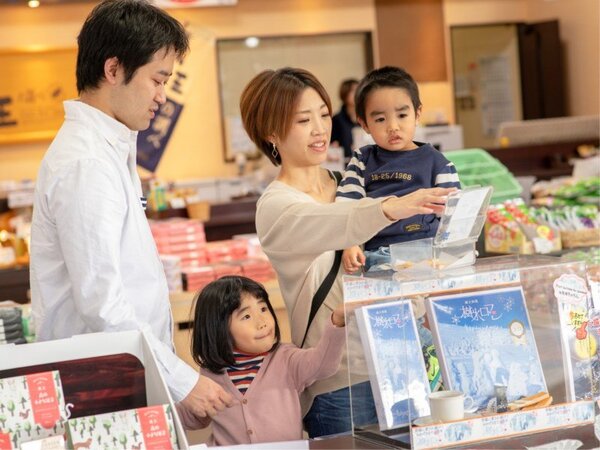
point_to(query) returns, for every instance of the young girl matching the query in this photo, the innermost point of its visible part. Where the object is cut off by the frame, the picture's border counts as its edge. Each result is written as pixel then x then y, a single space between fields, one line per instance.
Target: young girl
pixel 236 341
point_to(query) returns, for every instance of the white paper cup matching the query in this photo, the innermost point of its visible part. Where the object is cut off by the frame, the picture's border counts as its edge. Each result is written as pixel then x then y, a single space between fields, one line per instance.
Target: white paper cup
pixel 448 405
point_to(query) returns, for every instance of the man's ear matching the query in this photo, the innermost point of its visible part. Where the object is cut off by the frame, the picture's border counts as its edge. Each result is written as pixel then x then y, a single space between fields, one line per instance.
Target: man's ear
pixel 363 125
pixel 111 70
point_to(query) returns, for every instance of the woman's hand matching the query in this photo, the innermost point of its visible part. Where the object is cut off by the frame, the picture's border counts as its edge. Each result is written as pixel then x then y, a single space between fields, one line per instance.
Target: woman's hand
pixel 423 201
pixel 353 259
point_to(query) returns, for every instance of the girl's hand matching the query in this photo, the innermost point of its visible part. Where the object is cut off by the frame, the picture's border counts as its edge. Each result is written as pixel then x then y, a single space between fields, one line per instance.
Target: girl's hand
pixel 353 259
pixel 337 316
pixel 422 201
pixel 189 420
pixel 207 398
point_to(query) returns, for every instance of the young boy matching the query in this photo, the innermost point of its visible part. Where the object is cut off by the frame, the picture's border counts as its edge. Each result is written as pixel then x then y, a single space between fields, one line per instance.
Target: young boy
pixel 388 108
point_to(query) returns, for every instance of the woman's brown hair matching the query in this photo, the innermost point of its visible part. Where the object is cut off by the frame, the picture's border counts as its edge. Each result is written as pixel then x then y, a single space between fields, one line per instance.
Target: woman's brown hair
pixel 268 105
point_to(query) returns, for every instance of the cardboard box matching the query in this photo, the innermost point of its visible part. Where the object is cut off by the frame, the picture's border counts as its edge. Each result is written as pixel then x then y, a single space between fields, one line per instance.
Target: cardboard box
pixel 580 238
pixel 91 347
pixel 199 210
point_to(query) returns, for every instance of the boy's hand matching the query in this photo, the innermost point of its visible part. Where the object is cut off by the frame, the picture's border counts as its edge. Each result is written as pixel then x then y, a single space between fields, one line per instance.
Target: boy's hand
pixel 353 259
pixel 337 316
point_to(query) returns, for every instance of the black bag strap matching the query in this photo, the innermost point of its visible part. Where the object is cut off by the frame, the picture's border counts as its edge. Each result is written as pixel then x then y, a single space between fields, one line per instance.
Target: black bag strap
pixel 323 290
pixel 325 287
pixel 337 175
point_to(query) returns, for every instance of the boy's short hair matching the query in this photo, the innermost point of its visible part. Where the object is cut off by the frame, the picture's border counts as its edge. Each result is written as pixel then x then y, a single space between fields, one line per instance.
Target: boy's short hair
pixel 346 87
pixel 130 30
pixel 268 104
pixel 212 343
pixel 383 77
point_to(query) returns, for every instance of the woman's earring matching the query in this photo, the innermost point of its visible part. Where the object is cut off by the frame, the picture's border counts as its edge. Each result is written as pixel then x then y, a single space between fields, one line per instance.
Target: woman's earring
pixel 274 152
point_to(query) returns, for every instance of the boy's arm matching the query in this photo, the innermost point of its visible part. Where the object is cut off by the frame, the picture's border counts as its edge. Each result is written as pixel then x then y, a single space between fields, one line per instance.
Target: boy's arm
pixel 446 175
pixel 352 186
pixel 353 259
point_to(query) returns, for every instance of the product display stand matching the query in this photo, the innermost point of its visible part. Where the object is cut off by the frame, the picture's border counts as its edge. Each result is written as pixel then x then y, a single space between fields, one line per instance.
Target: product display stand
pixel 453 245
pixel 516 335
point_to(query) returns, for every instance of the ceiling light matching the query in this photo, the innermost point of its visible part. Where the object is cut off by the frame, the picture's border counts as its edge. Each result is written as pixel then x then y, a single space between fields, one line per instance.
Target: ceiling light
pixel 33 3
pixel 252 42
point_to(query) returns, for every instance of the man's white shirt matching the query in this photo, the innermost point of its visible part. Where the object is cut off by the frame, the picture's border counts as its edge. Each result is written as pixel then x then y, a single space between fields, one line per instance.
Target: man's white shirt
pixel 94 265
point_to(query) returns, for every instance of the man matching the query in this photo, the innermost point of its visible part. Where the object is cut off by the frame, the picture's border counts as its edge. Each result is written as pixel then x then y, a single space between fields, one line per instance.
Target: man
pixel 94 264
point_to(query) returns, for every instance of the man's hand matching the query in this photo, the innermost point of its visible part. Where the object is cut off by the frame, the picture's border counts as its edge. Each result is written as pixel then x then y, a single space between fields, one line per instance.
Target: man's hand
pixel 207 398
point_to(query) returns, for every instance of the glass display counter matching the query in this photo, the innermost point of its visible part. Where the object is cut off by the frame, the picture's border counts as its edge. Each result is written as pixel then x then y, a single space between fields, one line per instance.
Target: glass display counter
pixel 504 348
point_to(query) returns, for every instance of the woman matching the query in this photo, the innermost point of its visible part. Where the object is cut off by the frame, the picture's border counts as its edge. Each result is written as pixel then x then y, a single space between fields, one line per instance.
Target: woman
pixel 287 114
pixel 345 120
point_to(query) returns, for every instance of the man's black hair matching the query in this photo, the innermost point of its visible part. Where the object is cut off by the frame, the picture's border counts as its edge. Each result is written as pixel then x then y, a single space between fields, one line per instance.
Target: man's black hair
pixel 130 30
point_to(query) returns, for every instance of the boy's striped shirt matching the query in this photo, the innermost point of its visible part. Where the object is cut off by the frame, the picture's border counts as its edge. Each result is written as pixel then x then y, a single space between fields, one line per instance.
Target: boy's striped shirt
pixel 245 369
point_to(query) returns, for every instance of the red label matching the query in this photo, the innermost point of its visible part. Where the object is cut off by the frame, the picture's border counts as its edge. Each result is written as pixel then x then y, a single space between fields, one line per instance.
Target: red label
pixel 155 430
pixel 44 401
pixel 5 443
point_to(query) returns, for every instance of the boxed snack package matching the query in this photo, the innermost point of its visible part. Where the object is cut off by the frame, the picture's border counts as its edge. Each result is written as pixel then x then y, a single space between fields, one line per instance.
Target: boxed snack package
pixel 31 407
pixel 142 428
pixel 512 228
pixel 579 225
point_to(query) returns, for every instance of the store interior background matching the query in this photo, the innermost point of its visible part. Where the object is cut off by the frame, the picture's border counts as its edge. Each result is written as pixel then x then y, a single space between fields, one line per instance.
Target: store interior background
pixel 196 146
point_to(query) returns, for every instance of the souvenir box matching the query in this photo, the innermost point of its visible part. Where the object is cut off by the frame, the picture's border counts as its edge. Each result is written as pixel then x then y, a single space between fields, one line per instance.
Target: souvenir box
pixel 149 428
pixel 31 407
pixel 100 373
pixel 516 336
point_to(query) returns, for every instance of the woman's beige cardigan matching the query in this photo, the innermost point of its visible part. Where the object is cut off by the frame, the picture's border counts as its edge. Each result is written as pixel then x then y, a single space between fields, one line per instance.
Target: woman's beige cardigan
pixel 300 236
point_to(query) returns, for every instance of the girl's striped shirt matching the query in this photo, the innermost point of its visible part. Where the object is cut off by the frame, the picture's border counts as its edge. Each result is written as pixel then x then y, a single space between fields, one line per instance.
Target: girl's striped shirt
pixel 245 369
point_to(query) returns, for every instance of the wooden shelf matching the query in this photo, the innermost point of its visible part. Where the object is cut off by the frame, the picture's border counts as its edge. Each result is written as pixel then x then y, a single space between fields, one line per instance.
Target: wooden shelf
pixel 544 161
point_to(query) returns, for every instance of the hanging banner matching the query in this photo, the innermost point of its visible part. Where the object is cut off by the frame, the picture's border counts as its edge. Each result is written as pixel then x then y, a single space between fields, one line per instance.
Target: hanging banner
pixel 152 142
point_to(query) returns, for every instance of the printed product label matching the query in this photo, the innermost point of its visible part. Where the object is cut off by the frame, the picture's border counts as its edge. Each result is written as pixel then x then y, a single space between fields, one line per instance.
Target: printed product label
pixel 5 442
pixel 155 430
pixel 569 288
pixel 44 401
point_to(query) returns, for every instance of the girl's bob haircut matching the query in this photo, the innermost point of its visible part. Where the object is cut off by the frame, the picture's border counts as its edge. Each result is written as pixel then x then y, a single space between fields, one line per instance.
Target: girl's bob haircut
pixel 212 344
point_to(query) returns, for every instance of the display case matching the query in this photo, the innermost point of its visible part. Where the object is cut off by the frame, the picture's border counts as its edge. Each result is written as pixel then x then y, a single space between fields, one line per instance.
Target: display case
pixel 502 349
